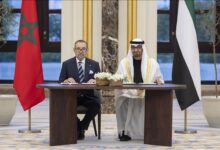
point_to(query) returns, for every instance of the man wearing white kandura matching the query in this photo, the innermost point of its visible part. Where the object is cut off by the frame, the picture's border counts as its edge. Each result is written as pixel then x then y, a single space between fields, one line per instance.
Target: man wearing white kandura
pixel 130 107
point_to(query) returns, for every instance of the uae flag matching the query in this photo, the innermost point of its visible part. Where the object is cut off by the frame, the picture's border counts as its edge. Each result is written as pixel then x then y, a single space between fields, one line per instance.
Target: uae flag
pixel 186 65
pixel 28 67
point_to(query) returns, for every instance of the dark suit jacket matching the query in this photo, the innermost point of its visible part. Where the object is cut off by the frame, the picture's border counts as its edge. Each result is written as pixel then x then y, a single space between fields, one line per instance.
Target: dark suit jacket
pixel 69 69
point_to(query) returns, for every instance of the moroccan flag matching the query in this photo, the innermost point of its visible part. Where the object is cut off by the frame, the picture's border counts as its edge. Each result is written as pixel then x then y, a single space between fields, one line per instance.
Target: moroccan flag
pixel 28 68
pixel 186 66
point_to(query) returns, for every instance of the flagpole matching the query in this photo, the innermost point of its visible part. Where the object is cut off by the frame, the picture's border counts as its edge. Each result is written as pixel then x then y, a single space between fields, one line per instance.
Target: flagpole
pixel 185 131
pixel 29 130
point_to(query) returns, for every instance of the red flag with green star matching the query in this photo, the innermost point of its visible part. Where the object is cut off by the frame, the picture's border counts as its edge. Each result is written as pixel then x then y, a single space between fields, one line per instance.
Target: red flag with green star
pixel 28 68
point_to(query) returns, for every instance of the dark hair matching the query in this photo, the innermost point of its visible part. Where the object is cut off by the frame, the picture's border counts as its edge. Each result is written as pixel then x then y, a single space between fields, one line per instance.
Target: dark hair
pixel 80 41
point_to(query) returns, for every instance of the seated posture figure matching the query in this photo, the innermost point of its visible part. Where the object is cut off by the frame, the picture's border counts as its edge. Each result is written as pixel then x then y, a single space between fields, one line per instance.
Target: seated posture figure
pixel 130 107
pixel 80 69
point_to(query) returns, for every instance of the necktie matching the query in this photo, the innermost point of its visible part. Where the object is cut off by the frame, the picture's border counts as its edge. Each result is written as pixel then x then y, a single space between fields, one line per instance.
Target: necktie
pixel 80 72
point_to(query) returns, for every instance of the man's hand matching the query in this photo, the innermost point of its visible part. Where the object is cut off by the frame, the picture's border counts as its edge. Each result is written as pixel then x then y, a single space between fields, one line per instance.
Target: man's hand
pixel 92 81
pixel 69 80
pixel 159 81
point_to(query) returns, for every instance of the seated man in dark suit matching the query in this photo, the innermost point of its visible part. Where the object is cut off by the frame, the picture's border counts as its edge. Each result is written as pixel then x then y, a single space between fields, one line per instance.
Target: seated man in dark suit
pixel 80 69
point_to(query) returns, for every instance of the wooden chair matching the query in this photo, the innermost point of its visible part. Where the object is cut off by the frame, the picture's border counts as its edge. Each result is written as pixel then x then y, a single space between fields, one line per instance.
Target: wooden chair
pixel 82 110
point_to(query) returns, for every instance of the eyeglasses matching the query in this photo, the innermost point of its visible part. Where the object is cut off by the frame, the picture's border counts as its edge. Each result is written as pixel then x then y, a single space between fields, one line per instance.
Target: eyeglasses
pixel 81 49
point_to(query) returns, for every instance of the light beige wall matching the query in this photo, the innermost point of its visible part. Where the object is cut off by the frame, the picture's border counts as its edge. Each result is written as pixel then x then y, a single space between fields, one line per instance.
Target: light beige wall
pixel 147 25
pixel 97 30
pixel 72 28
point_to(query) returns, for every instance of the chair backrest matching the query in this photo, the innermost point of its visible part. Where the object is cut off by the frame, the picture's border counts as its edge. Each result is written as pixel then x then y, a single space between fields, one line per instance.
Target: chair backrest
pixel 98 93
pixel 82 109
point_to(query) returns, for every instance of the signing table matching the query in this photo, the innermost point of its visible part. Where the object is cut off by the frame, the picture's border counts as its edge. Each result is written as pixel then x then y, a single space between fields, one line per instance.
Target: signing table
pixel 158 111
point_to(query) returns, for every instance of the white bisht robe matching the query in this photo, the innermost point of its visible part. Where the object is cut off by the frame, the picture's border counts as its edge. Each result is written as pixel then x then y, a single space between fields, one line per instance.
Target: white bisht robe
pixel 130 105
